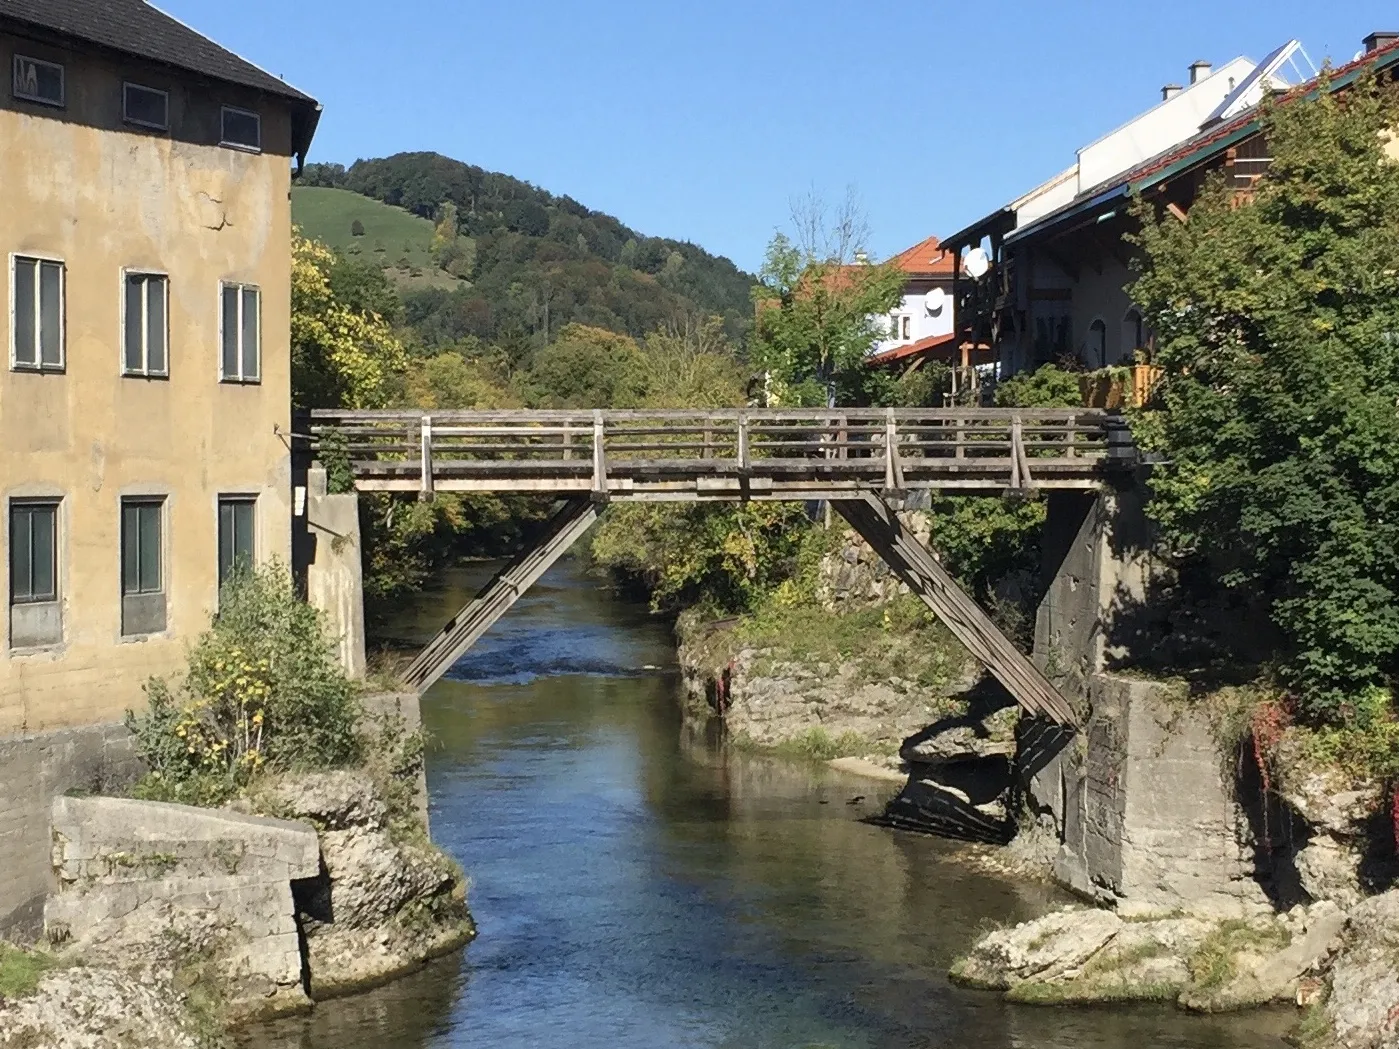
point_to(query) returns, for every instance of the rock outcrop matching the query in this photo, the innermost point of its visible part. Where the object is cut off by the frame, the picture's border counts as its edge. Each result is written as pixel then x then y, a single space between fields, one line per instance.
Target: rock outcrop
pixel 384 901
pixel 1363 1007
pixel 1337 812
pixel 246 915
pixel 1079 955
pixel 95 1008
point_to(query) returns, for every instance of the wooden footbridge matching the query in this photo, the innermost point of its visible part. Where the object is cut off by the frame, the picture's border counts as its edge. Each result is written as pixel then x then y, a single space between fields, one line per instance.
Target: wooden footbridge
pixel 863 461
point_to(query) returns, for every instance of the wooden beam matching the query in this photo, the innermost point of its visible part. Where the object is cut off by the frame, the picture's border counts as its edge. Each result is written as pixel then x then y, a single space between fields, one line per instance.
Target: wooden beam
pixel 879 526
pixel 466 627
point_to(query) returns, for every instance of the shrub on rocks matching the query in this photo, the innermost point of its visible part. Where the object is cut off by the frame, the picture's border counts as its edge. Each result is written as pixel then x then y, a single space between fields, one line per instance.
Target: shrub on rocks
pixel 263 691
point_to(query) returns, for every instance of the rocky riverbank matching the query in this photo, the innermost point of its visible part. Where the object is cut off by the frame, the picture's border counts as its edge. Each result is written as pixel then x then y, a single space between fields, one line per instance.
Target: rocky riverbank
pixel 1343 967
pixel 173 923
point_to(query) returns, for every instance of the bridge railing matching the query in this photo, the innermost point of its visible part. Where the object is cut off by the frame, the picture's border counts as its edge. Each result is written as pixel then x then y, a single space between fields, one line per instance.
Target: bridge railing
pixel 573 450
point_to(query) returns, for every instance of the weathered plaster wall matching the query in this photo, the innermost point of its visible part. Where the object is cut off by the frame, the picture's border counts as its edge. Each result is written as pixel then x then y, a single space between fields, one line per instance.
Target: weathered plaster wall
pixel 334 571
pixel 33 770
pixel 82 189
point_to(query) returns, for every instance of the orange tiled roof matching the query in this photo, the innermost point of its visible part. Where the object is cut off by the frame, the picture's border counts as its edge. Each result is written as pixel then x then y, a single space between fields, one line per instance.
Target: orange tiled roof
pixel 926 259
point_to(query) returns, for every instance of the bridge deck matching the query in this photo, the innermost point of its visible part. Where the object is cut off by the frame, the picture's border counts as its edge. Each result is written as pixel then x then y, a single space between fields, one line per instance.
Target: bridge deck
pixel 724 454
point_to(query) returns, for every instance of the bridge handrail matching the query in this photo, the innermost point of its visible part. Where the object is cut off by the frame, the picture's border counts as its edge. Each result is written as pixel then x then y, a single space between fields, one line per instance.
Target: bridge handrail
pixel 493 449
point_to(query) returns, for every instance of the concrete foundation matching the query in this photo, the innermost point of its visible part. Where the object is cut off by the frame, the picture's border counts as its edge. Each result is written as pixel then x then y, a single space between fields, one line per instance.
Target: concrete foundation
pixel 1097 569
pixel 1145 808
pixel 329 556
pixel 34 769
pixel 1141 800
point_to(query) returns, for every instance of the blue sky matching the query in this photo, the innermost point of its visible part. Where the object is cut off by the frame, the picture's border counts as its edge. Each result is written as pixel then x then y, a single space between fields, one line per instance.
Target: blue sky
pixel 702 120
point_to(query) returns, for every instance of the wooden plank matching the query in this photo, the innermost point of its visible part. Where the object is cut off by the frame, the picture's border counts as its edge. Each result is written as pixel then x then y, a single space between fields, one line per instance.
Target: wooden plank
pixel 879 526
pixel 496 598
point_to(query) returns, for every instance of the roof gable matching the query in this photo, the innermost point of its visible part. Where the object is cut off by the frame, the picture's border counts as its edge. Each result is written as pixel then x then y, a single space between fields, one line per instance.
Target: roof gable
pixel 134 27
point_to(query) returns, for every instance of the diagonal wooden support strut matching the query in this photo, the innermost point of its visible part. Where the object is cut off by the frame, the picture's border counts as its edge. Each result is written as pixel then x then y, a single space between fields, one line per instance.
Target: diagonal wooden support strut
pixel 495 599
pixel 879 526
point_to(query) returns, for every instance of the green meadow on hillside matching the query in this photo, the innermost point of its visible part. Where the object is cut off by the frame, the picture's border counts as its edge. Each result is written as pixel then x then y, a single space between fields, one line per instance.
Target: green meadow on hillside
pixel 398 241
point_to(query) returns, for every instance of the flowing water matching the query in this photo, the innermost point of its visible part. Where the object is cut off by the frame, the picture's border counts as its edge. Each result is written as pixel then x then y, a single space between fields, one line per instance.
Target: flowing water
pixel 636 889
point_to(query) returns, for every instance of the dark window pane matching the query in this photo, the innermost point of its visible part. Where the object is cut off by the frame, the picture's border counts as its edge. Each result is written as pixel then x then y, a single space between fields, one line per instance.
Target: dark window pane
pixel 230 331
pixel 51 313
pixel 251 304
pixel 21 578
pixel 242 129
pixel 132 355
pixel 147 106
pixel 42 520
pixel 150 548
pixel 39 81
pixel 243 532
pixel 130 549
pixel 25 319
pixel 225 540
pixel 155 325
pixel 235 536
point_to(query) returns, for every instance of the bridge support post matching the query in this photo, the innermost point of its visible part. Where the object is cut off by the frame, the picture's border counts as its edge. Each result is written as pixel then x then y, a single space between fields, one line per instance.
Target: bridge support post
pixel 331 566
pixel 879 526
pixel 466 627
pixel 1096 558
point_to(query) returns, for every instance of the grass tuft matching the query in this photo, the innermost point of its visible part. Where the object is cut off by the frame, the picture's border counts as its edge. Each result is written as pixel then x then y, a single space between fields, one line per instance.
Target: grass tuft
pixel 21 970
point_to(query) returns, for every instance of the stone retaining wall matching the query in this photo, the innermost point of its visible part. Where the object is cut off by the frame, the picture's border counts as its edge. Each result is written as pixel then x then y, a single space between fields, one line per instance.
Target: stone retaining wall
pixel 33 770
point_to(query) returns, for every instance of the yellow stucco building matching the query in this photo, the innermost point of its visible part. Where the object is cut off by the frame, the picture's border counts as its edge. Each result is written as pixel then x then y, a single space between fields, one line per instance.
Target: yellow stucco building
pixel 145 396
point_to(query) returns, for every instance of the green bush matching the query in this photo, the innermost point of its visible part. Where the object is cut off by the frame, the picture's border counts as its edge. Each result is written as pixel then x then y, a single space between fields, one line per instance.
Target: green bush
pixel 1048 386
pixel 263 690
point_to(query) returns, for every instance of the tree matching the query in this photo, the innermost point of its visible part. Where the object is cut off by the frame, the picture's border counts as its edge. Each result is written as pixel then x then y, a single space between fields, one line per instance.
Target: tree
pixel 341 356
pixel 587 368
pixel 1278 329
pixel 819 307
pixel 357 228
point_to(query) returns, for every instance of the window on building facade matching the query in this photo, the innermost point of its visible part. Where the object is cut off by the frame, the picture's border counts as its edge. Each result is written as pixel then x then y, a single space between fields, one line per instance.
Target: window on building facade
pixel 894 326
pixel 37 286
pixel 145 325
pixel 241 129
pixel 908 327
pixel 237 517
pixel 145 106
pixel 38 81
pixel 1133 333
pixel 240 317
pixel 1096 348
pixel 142 566
pixel 35 611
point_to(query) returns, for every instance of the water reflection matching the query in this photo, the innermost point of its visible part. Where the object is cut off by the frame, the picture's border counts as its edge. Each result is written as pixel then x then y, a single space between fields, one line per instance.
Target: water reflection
pixel 635 889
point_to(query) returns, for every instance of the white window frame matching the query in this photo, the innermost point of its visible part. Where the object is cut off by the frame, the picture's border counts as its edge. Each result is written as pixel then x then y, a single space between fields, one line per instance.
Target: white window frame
pixel 39 366
pixel 144 372
pixel 240 378
pixel 224 111
pixel 127 118
pixel 62 80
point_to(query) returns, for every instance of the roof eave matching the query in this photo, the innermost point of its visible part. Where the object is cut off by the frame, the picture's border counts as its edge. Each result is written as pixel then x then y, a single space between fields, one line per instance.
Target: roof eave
pixel 998 221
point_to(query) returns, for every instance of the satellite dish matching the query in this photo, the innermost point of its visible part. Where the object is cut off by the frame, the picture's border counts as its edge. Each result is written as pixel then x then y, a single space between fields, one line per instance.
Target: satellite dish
pixel 977 263
pixel 936 300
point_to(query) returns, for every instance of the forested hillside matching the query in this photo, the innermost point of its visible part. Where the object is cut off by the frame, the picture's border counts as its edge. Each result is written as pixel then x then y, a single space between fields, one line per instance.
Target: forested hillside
pixel 509 262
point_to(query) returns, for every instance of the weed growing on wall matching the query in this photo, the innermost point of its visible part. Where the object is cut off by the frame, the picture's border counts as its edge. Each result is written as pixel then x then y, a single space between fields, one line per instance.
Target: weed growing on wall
pixel 263 691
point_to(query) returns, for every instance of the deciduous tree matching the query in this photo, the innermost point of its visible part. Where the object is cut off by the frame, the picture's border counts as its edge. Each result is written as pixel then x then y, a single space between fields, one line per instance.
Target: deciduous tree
pixel 1278 415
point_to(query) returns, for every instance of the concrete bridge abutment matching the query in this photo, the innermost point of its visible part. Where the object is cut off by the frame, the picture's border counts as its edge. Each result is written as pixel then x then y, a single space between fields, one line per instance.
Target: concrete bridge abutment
pixel 1137 809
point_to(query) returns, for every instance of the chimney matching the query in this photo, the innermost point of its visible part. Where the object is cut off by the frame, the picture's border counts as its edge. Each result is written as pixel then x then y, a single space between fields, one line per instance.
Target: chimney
pixel 1199 70
pixel 1377 40
pixel 1169 91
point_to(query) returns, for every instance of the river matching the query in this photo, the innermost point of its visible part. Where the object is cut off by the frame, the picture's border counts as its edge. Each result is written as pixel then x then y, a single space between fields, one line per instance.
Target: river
pixel 635 889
